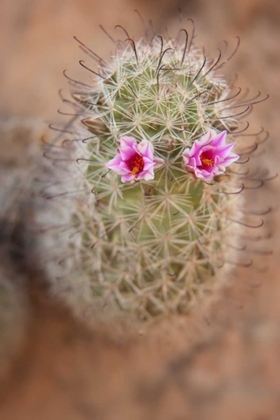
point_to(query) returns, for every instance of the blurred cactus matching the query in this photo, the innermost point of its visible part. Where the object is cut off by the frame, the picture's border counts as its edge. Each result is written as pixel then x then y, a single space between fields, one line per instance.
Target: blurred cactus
pixel 154 186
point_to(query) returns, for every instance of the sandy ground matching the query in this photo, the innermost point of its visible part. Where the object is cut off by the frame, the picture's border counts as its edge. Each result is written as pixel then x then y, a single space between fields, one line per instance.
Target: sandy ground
pixel 223 364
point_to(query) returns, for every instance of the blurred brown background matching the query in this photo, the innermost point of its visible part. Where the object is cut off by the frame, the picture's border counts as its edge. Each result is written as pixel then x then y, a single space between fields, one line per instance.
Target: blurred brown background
pixel 224 365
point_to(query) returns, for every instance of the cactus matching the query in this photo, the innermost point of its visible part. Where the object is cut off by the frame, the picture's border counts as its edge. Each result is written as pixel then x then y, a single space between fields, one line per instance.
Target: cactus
pixel 155 177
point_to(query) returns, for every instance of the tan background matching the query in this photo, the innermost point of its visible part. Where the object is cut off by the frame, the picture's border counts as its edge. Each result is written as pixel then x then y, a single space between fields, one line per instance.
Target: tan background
pixel 224 366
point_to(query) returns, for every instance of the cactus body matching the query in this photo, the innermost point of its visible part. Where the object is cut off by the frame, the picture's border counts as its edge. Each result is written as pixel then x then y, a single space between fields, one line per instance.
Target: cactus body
pixel 153 244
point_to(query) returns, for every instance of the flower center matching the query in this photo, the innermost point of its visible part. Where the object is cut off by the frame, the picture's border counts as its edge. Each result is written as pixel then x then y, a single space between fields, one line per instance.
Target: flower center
pixel 206 160
pixel 135 164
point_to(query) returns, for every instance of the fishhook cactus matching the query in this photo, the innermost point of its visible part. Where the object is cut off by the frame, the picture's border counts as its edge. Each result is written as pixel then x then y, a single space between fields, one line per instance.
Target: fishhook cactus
pixel 150 191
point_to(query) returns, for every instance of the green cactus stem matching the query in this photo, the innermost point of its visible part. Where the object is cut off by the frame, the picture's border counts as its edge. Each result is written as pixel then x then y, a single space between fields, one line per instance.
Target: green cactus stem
pixel 154 221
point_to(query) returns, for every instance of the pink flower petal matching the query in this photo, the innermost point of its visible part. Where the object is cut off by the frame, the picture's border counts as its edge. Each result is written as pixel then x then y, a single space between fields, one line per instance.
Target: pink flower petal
pixel 220 139
pixel 114 164
pixel 127 177
pixel 127 141
pixel 145 148
pixel 148 163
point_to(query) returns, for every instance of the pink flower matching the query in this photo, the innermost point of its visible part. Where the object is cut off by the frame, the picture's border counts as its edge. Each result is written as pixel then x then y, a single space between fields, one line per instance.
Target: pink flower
pixel 134 161
pixel 209 156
